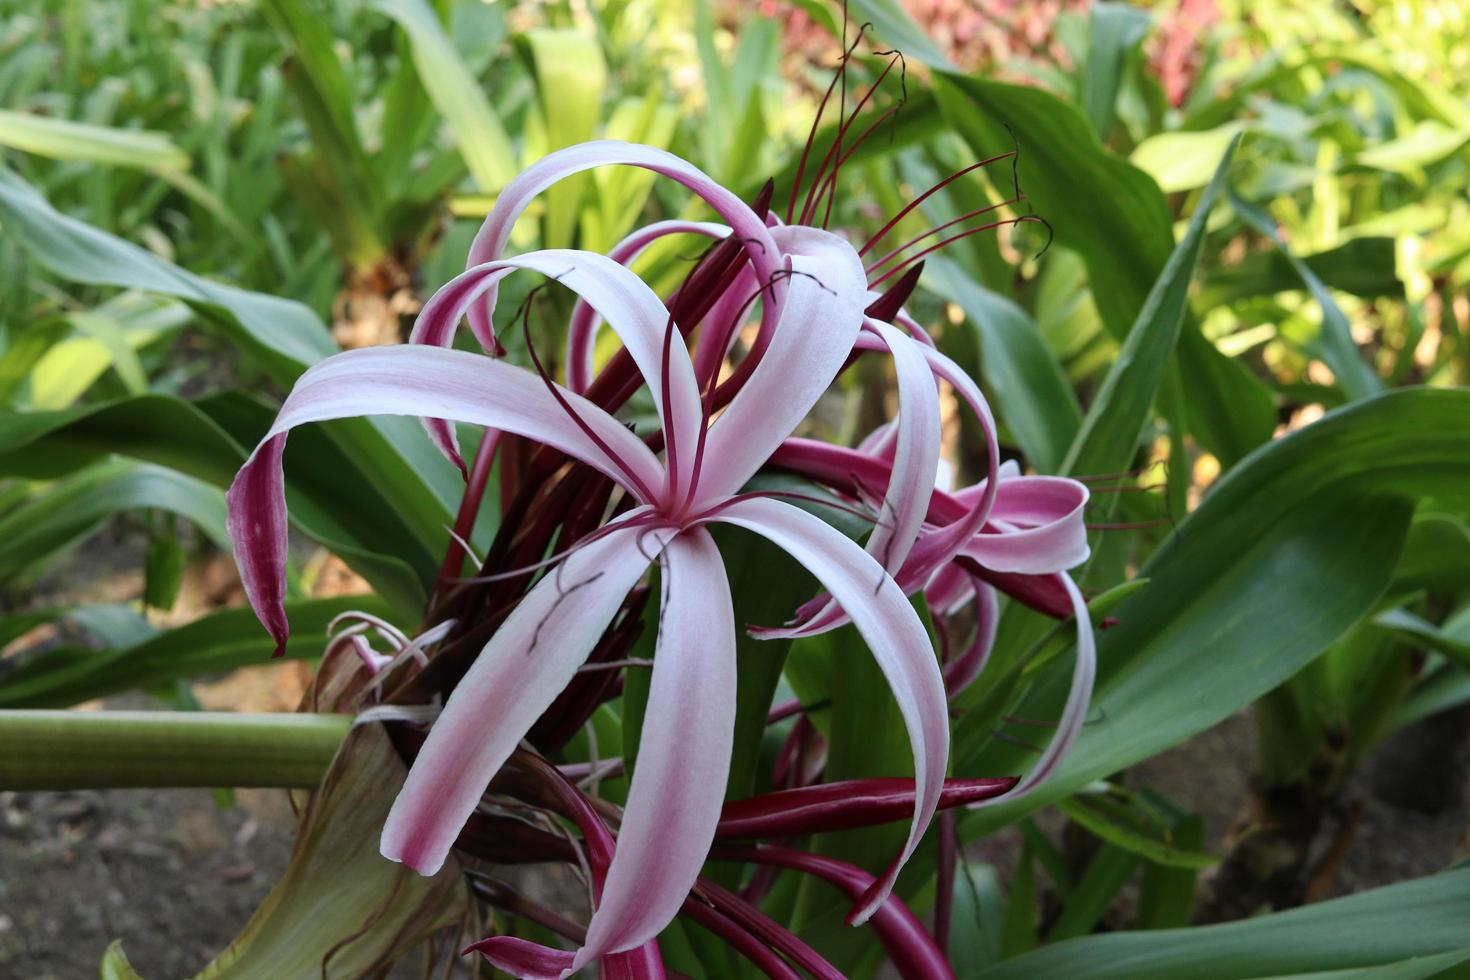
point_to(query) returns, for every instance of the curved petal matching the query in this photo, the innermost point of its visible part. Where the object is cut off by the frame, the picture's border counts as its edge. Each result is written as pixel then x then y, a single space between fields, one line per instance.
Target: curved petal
pixel 962 671
pixel 1074 711
pixel 645 962
pixel 411 380
pixel 523 958
pixel 678 785
pixel 582 332
pixel 935 550
pixel 914 444
pixel 819 321
pixel 1037 526
pixel 893 632
pixel 533 655
pixel 491 239
pixel 620 297
pixel 948 590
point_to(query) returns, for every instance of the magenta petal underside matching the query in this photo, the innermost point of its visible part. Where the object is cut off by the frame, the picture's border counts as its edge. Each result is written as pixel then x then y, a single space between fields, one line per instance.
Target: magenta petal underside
pixel 523 958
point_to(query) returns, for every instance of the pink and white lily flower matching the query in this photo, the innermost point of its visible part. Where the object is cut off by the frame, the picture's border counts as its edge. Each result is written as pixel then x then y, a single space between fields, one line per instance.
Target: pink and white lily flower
pixel 814 294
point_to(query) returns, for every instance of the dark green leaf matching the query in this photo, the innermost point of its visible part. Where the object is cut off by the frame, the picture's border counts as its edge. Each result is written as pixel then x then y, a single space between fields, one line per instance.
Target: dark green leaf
pixel 1166 895
pixel 1361 266
pixel 1109 434
pixel 1106 874
pixel 1238 599
pixel 1384 926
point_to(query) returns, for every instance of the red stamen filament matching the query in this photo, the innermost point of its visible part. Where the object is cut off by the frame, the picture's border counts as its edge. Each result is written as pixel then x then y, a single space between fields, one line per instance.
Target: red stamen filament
pixel 936 230
pixel 904 212
pixel 830 182
pixel 816 121
pixel 952 238
pixel 814 193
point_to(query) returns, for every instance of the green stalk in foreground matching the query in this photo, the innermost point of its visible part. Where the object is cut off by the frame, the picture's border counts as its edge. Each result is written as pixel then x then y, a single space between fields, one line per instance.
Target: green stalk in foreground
pixel 114 749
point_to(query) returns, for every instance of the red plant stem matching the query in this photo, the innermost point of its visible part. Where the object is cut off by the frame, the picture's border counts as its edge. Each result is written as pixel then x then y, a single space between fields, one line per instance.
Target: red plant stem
pixel 830 182
pixel 878 263
pixel 814 193
pixel 811 136
pixel 944 885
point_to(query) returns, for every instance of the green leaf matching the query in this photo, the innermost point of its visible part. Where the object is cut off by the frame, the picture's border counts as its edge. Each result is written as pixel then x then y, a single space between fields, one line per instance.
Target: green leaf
pixel 73 508
pixel 1237 601
pixel 26 351
pixel 1115 217
pixel 1375 928
pixel 1106 874
pixel 124 359
pixel 456 93
pixel 1018 928
pixel 329 497
pixel 1117 30
pixel 1121 826
pixel 1419 631
pixel 163 571
pixel 1109 434
pixel 65 676
pixel 285 337
pixel 1364 267
pixel 976 918
pixel 1184 159
pixel 396 460
pixel 115 965
pixel 1338 349
pixel 62 139
pixel 893 26
pixel 1166 894
pixel 1031 395
pixel 1428 142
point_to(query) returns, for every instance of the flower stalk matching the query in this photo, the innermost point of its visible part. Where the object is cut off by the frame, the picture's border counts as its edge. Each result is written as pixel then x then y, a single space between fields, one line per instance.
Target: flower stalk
pixel 119 749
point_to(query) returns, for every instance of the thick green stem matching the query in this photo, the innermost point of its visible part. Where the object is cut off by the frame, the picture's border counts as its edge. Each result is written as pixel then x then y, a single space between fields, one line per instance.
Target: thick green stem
pixel 113 749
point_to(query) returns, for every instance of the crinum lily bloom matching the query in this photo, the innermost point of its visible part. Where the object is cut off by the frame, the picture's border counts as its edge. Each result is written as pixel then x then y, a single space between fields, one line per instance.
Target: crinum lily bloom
pixel 813 300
